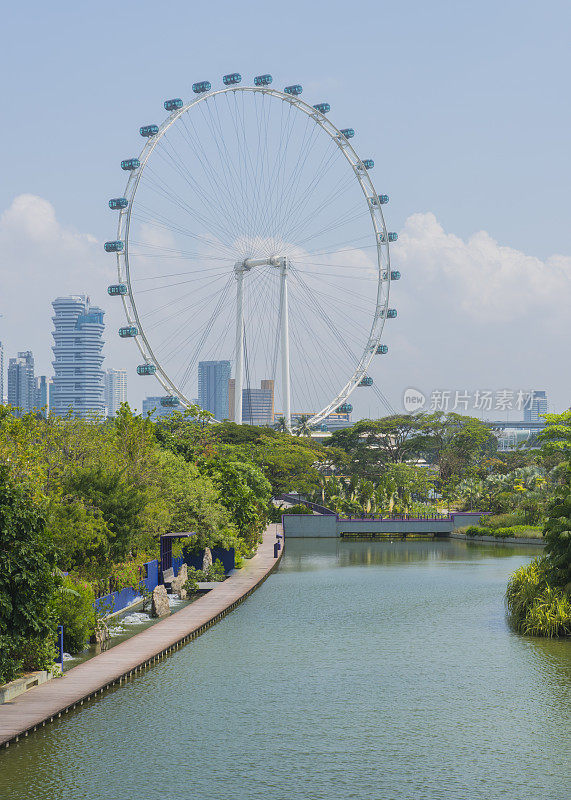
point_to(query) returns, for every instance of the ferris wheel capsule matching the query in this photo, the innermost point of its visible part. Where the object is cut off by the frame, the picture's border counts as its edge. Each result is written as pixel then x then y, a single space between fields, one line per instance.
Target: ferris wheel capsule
pixel 232 79
pixel 344 408
pixel 368 163
pixel 262 80
pixel 296 89
pixel 383 198
pixel 149 130
pixel 117 289
pixel 395 275
pixel 348 133
pixel 118 203
pixel 173 105
pixel 130 164
pixel 366 381
pixel 382 350
pixel 201 87
pixel 146 369
pixel 323 108
pixel 128 332
pixel 114 247
pixel 391 313
pixel 170 401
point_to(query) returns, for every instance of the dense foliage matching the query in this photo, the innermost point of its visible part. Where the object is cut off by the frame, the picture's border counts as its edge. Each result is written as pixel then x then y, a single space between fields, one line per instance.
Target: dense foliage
pixel 539 595
pixel 28 580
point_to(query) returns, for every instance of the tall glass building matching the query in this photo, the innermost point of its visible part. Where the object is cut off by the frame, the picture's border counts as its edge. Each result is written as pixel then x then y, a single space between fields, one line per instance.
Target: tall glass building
pixel 535 406
pixel 213 382
pixel 78 356
pixel 115 390
pixel 21 382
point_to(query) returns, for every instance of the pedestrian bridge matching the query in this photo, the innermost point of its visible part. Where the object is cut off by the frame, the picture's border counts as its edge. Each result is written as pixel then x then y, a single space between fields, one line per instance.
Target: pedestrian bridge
pixel 333 525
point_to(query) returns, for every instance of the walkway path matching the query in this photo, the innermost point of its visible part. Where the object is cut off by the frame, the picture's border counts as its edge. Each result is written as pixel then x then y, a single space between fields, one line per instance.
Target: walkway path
pixel 43 703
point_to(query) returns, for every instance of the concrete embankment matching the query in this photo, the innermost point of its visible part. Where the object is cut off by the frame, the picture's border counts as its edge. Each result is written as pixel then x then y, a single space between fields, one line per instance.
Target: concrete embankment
pixel 44 703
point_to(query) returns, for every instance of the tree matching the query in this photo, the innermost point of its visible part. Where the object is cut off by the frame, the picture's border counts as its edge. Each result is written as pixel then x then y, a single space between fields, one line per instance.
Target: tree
pixel 372 444
pixel 557 534
pixel 27 580
pixel 302 428
pixel 281 425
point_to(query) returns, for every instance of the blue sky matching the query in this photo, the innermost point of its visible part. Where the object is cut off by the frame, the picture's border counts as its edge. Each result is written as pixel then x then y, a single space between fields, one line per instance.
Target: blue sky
pixel 465 108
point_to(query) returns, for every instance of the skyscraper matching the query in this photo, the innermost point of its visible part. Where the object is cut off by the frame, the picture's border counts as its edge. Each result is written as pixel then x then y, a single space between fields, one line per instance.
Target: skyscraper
pixel 213 381
pixel 78 338
pixel 21 382
pixel 536 405
pixel 42 386
pixel 115 390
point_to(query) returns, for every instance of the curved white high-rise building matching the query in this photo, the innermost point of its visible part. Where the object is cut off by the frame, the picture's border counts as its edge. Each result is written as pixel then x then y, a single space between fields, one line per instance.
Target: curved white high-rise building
pixel 78 345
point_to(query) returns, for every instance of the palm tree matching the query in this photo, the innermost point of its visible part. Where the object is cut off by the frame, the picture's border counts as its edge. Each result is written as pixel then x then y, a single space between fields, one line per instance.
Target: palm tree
pixel 281 425
pixel 302 428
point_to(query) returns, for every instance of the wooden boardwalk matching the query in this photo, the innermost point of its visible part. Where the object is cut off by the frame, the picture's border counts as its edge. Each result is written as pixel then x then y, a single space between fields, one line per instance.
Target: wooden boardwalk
pixel 44 703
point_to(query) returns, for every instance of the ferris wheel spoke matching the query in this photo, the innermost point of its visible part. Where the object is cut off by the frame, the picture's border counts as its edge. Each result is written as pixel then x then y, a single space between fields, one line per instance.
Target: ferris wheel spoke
pixel 329 159
pixel 174 341
pixel 184 173
pixel 208 170
pixel 305 217
pixel 177 202
pixel 289 190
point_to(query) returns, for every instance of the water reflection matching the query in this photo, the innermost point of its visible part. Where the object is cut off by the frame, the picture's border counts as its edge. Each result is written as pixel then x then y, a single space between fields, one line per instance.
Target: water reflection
pixel 314 554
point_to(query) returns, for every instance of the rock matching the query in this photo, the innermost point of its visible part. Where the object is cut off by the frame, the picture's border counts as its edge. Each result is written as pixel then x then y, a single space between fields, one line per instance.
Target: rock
pixel 100 634
pixel 177 584
pixel 160 602
pixel 207 560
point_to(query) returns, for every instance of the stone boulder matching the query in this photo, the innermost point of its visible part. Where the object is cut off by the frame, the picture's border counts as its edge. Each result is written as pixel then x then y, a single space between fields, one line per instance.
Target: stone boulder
pixel 207 560
pixel 160 602
pixel 101 633
pixel 177 585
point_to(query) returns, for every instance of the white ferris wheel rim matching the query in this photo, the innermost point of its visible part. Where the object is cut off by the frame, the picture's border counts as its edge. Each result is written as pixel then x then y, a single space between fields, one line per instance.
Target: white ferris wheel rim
pixel 380 233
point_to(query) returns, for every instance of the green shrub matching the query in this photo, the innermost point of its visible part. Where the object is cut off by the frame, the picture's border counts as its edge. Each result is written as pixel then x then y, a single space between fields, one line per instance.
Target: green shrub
pixel 73 608
pixel 536 608
pixel 297 509
pixel 502 520
pixel 549 614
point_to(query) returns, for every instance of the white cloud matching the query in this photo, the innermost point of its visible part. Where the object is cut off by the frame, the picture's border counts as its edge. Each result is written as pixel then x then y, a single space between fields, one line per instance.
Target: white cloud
pixel 484 277
pixel 40 259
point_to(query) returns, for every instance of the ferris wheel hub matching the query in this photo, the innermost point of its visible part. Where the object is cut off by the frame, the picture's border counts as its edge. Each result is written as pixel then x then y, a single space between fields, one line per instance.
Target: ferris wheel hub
pixel 248 263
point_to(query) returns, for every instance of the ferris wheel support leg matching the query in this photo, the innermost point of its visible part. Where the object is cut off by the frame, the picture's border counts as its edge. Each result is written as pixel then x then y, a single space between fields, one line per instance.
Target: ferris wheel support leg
pixel 285 345
pixel 239 346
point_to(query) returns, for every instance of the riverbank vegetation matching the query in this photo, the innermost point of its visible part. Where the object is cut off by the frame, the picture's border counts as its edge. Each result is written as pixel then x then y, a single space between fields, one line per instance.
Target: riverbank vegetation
pixel 83 503
pixel 538 596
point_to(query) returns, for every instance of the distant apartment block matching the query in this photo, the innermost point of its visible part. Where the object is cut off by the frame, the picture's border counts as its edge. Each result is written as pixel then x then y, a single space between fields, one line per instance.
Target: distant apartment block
pixel 115 390
pixel 535 406
pixel 78 345
pixel 213 387
pixel 21 382
pixel 257 404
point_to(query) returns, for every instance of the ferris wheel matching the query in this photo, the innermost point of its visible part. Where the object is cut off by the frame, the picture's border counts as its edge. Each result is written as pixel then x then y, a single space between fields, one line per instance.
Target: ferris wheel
pixel 250 233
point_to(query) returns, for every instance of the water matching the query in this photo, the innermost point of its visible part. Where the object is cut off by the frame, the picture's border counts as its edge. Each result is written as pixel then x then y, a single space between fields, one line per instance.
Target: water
pixel 362 670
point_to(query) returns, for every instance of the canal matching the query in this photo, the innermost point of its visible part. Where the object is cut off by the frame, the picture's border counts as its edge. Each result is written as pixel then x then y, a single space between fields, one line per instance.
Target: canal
pixel 374 671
